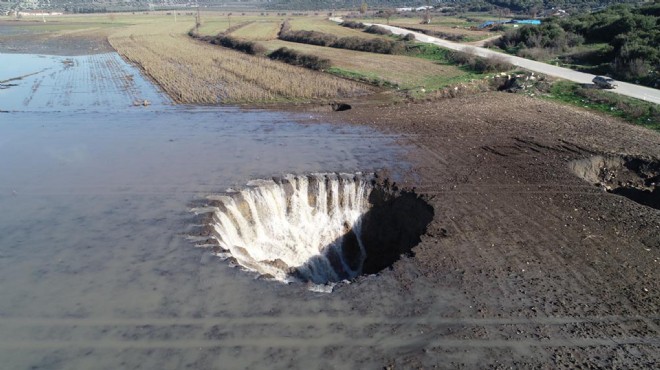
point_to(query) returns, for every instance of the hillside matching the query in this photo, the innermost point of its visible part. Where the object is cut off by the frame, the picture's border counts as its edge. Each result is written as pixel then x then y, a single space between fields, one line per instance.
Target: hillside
pixel 472 5
pixel 530 6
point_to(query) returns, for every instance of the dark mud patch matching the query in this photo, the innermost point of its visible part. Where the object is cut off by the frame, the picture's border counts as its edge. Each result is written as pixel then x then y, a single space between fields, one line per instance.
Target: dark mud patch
pixel 340 107
pixel 319 228
pixel 637 179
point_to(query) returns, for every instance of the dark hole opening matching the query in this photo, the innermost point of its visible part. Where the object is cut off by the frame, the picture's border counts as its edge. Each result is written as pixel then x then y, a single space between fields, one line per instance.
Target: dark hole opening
pixel 392 227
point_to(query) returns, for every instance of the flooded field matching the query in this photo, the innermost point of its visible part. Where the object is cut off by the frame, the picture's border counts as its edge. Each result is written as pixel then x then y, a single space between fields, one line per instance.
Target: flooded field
pixel 99 82
pixel 96 267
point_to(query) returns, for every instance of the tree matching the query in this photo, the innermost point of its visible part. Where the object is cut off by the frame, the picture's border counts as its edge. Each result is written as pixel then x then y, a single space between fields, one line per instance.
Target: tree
pixel 388 13
pixel 426 18
pixel 363 7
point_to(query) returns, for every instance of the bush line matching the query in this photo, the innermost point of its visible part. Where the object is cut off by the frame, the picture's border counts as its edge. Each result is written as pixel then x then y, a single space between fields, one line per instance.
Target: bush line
pixel 352 24
pixel 375 45
pixel 478 64
pixel 248 47
pixel 296 58
pixel 377 30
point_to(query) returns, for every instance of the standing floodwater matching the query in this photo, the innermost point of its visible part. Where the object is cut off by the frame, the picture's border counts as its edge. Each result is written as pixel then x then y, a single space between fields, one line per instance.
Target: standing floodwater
pixel 99 82
pixel 95 196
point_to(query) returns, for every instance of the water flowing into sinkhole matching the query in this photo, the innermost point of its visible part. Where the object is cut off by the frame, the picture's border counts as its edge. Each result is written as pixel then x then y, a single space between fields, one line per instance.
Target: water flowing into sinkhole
pixel 318 228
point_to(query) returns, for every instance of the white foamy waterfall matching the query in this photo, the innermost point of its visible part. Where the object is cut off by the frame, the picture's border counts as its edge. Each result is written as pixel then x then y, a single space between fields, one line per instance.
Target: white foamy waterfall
pixel 296 227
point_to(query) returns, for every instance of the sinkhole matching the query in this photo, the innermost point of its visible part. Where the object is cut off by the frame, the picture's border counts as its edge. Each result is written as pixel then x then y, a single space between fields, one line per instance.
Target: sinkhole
pixel 635 178
pixel 318 228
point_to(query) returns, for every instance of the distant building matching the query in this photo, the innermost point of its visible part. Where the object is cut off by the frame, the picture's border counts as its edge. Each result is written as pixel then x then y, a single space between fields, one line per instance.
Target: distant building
pixel 535 22
pixel 418 9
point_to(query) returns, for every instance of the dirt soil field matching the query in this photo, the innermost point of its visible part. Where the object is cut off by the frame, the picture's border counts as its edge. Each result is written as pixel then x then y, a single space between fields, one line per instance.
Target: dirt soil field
pixel 551 271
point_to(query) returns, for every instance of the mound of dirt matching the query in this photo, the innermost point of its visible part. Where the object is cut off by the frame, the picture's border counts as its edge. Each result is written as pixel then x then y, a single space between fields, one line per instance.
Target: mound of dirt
pixel 635 178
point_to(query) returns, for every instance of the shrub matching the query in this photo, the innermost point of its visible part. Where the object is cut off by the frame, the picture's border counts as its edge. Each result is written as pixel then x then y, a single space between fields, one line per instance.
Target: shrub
pixel 408 37
pixel 247 47
pixel 308 37
pixel 549 35
pixel 377 30
pixel 536 53
pixel 284 28
pixel 479 64
pixel 293 57
pixel 379 46
pixel 460 57
pixel 352 24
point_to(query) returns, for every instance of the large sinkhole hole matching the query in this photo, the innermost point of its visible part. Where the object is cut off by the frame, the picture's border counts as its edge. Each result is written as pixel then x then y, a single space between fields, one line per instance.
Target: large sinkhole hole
pixel 635 178
pixel 319 228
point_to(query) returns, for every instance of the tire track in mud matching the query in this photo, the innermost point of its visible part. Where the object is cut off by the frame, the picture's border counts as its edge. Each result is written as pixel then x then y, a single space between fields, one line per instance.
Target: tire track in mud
pixel 33 91
pixel 325 341
pixel 300 332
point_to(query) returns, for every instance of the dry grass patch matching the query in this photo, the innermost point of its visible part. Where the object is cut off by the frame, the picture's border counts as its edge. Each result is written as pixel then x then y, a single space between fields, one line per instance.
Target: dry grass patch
pixel 214 27
pixel 258 31
pixel 326 26
pixel 198 73
pixel 407 72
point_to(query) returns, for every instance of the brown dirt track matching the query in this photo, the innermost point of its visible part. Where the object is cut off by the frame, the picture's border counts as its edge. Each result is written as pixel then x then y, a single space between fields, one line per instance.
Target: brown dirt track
pixel 537 267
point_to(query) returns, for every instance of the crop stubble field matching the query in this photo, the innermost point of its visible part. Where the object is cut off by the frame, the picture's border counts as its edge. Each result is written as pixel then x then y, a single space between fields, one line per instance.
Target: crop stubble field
pixel 213 74
pixel 195 72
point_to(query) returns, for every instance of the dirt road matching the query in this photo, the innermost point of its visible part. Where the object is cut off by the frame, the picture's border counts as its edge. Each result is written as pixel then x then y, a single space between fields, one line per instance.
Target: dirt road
pixel 624 88
pixel 533 265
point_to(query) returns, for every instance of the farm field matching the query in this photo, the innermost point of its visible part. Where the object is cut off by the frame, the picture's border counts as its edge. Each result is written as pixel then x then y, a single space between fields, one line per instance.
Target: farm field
pixel 259 31
pixel 452 25
pixel 156 43
pixel 402 71
pixel 210 74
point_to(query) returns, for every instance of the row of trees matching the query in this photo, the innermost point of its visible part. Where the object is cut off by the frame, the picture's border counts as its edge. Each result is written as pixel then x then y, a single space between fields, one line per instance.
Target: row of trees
pixel 373 45
pixel 528 6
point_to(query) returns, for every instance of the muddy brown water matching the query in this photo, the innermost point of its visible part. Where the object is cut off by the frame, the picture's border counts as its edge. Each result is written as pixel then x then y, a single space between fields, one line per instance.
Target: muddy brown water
pixel 96 269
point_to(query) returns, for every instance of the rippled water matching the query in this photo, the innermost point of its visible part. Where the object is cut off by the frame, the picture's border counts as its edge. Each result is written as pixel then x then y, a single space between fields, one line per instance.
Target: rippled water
pixel 95 267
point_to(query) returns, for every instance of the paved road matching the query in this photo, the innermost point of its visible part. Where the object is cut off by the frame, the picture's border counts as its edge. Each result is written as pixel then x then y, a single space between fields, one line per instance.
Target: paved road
pixel 624 88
